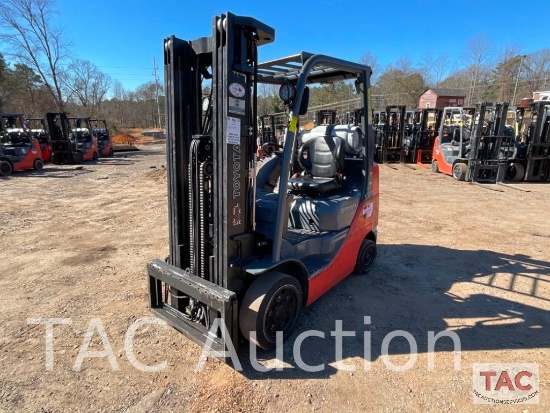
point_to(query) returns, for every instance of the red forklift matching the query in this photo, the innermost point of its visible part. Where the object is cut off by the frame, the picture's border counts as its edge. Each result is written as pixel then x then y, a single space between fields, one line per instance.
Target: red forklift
pixel 250 250
pixel 39 130
pixel 530 158
pixel 80 133
pixel 19 149
pixel 393 136
pixel 104 139
pixel 64 150
pixel 470 142
pixel 422 130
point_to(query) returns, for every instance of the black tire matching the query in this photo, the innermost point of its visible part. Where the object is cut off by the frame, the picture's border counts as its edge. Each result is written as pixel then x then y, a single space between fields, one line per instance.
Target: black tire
pixel 95 156
pixel 56 159
pixel 459 171
pixel 366 257
pixel 111 152
pixel 515 172
pixel 272 303
pixel 6 168
pixel 77 157
pixel 435 167
pixel 38 164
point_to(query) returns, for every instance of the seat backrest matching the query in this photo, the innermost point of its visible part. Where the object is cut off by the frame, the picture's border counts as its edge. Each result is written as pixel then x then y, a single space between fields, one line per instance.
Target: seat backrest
pixel 322 156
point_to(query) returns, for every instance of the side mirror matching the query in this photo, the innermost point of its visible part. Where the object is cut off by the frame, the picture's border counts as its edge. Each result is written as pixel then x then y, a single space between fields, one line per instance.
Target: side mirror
pixel 305 102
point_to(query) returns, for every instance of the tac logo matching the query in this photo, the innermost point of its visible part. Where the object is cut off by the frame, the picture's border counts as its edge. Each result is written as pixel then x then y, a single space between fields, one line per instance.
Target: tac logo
pixel 500 383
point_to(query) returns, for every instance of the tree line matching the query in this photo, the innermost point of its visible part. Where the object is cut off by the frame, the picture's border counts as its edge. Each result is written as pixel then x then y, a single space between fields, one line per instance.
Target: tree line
pixel 40 74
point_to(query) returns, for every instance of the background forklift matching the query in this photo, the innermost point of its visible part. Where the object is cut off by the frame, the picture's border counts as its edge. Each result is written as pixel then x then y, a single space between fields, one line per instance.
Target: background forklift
pixel 104 139
pixel 420 141
pixel 19 150
pixel 393 136
pixel 39 130
pixel 64 151
pixel 267 141
pixel 80 133
pixel 530 158
pixel 234 253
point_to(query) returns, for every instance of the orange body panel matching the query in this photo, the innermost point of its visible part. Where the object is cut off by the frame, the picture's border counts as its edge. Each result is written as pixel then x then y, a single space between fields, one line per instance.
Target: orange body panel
pixel 107 150
pixel 343 264
pixel 28 161
pixel 88 156
pixel 437 155
pixel 46 151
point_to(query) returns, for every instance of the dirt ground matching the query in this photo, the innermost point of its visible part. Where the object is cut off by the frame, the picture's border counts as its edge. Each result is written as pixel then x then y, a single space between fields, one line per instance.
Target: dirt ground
pixel 452 256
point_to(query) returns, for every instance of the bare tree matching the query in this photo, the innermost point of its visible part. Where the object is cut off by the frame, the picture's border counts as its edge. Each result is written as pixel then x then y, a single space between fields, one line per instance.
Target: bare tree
pixel 88 84
pixel 370 60
pixel 34 42
pixel 433 69
pixel 475 58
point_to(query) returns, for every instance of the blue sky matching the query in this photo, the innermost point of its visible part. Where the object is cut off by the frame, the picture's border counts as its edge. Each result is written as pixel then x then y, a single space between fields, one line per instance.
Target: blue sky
pixel 123 36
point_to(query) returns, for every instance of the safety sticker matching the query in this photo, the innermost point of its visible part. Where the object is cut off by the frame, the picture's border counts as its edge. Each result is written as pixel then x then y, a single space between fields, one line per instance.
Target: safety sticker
pixel 237 90
pixel 233 131
pixel 293 123
pixel 367 210
pixel 236 106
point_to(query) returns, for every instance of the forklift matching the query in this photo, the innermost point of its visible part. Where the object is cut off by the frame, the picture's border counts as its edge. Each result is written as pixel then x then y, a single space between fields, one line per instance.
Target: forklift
pixel 81 134
pixel 469 143
pixel 104 139
pixel 530 158
pixel 420 140
pixel 39 130
pixel 19 149
pixel 267 141
pixel 249 250
pixel 64 150
pixel 393 136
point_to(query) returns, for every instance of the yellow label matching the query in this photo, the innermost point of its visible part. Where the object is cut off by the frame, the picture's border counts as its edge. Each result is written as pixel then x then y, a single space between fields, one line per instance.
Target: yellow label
pixel 293 123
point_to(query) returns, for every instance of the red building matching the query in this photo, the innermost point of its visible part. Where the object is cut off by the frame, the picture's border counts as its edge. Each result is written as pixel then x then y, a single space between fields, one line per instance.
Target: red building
pixel 441 98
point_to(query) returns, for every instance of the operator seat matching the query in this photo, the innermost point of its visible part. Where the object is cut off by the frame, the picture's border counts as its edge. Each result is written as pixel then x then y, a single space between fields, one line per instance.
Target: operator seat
pixel 322 158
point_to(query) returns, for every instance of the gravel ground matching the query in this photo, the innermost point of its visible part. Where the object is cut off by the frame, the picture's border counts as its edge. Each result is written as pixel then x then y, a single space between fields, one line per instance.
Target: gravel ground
pixel 453 256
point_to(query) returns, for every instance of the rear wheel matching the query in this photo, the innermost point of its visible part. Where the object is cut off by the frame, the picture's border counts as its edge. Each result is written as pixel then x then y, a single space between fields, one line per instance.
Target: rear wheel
pixel 366 257
pixel 459 171
pixel 435 167
pixel 272 303
pixel 6 169
pixel 95 156
pixel 78 157
pixel 515 172
pixel 38 164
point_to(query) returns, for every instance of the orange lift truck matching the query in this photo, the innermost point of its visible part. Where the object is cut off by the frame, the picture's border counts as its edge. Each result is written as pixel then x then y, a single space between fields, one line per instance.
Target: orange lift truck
pixel 19 149
pixel 64 150
pixel 469 145
pixel 241 250
pixel 104 139
pixel 422 132
pixel 80 133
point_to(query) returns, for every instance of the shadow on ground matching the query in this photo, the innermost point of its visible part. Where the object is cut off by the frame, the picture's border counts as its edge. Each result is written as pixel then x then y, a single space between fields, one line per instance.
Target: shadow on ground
pixel 409 289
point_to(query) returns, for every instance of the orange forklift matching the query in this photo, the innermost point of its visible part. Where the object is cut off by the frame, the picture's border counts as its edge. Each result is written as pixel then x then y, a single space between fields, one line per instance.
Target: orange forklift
pixel 422 130
pixel 39 130
pixel 64 150
pixel 19 149
pixel 80 133
pixel 249 250
pixel 104 139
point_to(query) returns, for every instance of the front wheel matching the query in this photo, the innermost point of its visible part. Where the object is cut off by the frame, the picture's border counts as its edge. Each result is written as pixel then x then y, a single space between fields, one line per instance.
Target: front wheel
pixel 272 303
pixel 38 164
pixel 6 169
pixel 95 156
pixel 515 172
pixel 366 257
pixel 459 171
